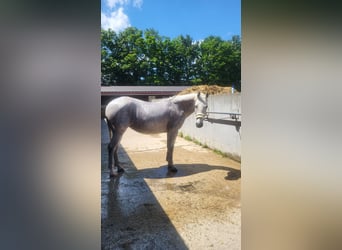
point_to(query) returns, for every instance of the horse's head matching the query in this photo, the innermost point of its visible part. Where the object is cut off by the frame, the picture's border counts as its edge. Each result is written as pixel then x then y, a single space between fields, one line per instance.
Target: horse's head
pixel 201 106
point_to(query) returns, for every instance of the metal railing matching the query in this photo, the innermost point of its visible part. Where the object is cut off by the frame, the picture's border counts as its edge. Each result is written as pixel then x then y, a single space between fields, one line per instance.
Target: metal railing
pixel 233 119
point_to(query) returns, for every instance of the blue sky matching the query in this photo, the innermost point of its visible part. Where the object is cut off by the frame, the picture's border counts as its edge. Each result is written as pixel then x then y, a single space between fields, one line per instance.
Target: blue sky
pixel 196 18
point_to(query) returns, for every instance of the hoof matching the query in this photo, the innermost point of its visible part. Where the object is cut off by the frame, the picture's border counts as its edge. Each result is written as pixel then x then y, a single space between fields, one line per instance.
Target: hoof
pixel 172 169
pixel 121 170
pixel 113 173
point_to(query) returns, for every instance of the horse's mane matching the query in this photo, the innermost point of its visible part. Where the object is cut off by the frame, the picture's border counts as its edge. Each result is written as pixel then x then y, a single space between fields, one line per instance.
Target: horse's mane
pixel 182 98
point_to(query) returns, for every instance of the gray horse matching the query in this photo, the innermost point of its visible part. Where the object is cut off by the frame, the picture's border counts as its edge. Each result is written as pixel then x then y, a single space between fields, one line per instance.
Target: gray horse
pixel 166 115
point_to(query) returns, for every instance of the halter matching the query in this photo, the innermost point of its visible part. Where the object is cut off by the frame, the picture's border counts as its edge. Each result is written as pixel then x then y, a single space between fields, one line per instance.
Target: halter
pixel 200 115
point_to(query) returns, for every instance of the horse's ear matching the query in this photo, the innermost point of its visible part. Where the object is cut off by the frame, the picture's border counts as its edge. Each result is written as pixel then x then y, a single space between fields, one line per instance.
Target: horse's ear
pixel 198 94
pixel 206 96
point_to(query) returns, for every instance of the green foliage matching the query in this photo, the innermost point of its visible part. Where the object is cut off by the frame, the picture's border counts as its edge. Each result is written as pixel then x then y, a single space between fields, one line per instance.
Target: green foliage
pixel 134 57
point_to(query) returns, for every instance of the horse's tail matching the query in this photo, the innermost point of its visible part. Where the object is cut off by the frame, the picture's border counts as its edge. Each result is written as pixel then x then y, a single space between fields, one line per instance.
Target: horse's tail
pixel 111 128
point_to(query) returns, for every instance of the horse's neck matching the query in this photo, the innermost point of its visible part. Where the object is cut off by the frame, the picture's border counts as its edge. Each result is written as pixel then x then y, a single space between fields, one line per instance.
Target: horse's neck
pixel 187 97
pixel 185 102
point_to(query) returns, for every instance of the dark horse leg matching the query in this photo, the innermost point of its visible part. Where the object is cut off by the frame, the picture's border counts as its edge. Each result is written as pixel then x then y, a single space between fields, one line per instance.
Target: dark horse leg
pixel 113 145
pixel 113 151
pixel 171 139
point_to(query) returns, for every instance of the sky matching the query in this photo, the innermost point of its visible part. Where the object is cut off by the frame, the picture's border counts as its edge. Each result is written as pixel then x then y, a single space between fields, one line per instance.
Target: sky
pixel 171 18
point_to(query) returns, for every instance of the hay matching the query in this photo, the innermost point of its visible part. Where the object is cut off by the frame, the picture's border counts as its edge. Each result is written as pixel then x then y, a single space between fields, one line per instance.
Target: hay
pixel 207 89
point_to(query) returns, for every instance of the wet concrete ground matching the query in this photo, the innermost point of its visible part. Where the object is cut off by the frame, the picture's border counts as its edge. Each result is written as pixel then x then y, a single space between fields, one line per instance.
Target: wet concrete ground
pixel 148 208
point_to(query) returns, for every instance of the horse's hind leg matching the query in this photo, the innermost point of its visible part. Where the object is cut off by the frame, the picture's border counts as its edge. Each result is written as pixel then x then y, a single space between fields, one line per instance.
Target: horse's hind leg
pixel 116 160
pixel 110 158
pixel 112 151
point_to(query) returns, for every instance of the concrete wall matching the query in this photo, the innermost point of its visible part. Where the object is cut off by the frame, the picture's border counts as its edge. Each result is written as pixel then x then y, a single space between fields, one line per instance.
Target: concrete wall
pixel 223 137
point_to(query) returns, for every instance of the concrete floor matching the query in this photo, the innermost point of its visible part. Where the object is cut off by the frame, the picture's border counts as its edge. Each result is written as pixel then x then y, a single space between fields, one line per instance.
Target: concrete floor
pixel 148 208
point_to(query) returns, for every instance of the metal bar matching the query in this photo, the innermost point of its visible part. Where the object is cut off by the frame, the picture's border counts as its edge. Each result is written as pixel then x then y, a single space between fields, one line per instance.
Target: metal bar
pixel 221 121
pixel 222 113
pixel 235 123
pixel 234 116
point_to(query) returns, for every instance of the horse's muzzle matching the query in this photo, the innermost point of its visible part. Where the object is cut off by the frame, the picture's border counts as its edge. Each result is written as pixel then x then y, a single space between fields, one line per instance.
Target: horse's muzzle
pixel 199 120
pixel 199 123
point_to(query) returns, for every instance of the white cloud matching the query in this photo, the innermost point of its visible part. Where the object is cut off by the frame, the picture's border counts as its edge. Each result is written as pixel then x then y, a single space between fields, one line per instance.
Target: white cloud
pixel 116 20
pixel 114 17
pixel 112 3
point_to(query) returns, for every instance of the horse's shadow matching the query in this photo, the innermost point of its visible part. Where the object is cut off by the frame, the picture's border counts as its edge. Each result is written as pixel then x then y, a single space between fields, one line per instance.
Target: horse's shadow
pixel 186 170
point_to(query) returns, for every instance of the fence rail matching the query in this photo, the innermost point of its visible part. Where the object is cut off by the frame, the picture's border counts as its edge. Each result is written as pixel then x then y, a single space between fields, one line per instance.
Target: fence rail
pixel 233 119
pixel 234 116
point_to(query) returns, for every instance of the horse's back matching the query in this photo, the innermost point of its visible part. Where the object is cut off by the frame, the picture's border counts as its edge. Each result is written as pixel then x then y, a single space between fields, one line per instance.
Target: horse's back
pixel 118 105
pixel 142 116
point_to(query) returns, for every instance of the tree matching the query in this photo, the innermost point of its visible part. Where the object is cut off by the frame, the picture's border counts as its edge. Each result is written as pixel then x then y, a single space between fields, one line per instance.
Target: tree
pixel 154 56
pixel 183 59
pixel 132 64
pixel 133 57
pixel 108 57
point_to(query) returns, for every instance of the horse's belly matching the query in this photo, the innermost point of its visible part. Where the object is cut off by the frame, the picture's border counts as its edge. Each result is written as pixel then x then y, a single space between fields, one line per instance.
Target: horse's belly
pixel 149 127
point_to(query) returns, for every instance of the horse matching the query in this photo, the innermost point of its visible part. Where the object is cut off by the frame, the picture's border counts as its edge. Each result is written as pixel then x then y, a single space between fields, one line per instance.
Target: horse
pixel 162 116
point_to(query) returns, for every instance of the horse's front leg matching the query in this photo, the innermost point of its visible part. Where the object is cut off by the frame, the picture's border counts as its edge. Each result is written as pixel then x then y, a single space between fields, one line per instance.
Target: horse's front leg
pixel 171 139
